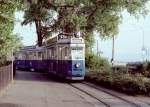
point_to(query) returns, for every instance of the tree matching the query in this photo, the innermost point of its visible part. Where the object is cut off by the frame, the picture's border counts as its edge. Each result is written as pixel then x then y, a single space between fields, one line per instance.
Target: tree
pixel 86 16
pixel 37 14
pixel 7 18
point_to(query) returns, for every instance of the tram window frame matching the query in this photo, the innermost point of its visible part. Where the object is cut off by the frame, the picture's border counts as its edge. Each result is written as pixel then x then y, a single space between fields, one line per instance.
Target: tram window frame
pixel 27 56
pixel 39 55
pixel 59 52
pixel 21 56
pixel 44 54
pixel 31 55
pixel 77 48
pixel 49 53
pixel 34 55
pixel 52 52
pixel 66 53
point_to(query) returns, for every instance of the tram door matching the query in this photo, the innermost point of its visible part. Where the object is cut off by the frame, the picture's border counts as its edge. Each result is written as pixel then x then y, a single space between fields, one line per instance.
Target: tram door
pixel 61 59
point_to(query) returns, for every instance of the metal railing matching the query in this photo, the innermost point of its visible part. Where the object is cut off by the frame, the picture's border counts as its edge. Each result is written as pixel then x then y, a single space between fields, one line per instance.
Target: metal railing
pixel 6 76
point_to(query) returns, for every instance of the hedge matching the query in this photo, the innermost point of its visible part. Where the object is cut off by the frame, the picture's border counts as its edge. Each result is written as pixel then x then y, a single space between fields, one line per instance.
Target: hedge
pixel 128 83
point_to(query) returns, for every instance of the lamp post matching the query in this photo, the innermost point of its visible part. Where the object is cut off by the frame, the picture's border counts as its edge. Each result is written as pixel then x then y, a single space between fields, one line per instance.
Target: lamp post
pixel 97 49
pixel 144 53
pixel 113 51
pixel 12 61
pixel 144 50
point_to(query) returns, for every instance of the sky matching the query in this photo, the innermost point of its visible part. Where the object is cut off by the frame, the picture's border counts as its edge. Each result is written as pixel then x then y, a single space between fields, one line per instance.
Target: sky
pixel 128 43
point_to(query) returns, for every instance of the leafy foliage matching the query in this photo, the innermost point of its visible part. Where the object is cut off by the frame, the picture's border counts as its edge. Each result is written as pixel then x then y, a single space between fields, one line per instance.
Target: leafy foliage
pixel 8 41
pixel 138 68
pixel 39 15
pixel 127 83
pixel 86 16
pixel 89 41
pixel 94 62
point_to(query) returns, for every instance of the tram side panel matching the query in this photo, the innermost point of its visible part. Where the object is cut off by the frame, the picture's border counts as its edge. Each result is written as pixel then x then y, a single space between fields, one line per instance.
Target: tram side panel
pixel 20 60
pixel 20 63
pixel 62 61
pixel 64 68
pixel 34 60
pixel 35 64
pixel 51 59
pixel 56 62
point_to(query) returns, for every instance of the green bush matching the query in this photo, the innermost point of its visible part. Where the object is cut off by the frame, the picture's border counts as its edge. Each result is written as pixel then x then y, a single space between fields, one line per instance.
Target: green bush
pixel 146 69
pixel 95 62
pixel 135 82
pixel 127 83
pixel 135 69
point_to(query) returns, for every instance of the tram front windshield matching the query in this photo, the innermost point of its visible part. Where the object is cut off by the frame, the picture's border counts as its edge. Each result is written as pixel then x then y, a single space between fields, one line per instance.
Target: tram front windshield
pixel 77 53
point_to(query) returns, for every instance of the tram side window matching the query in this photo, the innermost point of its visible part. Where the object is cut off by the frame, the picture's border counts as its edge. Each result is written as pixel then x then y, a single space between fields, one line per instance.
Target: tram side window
pixel 31 55
pixel 34 55
pixel 49 53
pixel 21 56
pixel 44 54
pixel 59 51
pixel 77 53
pixel 27 56
pixel 66 53
pixel 39 55
pixel 53 53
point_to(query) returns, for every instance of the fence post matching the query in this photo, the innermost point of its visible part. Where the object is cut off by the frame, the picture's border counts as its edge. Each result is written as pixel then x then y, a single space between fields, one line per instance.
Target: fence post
pixel 12 60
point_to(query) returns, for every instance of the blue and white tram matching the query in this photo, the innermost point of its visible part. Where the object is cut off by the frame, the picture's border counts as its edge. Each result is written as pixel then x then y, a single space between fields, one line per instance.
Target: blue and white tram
pixel 64 57
pixel 29 57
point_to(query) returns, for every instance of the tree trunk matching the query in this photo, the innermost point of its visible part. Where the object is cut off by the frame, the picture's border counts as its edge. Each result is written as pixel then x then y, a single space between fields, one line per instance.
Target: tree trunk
pixel 67 29
pixel 39 32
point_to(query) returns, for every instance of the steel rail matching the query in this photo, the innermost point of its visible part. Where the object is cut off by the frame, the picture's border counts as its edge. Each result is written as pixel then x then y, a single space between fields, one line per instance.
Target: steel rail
pixel 107 105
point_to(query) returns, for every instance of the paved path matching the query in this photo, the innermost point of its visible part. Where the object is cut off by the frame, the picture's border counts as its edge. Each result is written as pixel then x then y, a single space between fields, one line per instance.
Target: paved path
pixel 38 90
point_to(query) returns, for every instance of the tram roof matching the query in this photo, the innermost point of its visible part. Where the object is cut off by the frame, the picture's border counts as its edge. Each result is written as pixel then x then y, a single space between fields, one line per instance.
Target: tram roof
pixel 64 39
pixel 30 48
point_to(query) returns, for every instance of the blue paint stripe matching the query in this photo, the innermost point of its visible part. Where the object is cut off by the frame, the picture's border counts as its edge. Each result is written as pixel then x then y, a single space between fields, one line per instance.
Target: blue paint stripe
pixel 65 68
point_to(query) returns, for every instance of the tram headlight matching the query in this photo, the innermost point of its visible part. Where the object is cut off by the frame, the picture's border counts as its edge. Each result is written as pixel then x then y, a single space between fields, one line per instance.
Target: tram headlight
pixel 77 65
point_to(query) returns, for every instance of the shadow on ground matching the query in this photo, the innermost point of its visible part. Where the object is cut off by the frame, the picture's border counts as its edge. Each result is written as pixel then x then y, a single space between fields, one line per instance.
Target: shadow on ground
pixel 38 76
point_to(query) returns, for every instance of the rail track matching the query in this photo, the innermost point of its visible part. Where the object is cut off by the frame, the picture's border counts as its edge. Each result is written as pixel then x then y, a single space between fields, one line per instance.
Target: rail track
pixel 108 99
pixel 89 94
pixel 114 95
